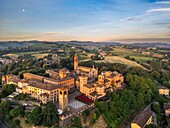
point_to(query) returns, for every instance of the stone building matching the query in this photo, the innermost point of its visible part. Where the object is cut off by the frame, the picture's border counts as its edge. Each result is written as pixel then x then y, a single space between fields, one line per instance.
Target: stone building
pixel 42 88
pixel 92 73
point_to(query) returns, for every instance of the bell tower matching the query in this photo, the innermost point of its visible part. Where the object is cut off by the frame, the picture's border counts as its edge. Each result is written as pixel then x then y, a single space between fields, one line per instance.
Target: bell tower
pixel 63 98
pixel 83 81
pixel 101 79
pixel 75 61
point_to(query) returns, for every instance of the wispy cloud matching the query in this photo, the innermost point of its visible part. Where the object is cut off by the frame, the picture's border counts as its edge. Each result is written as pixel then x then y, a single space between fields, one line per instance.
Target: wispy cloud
pixel 162 2
pixel 163 24
pixel 158 10
pixel 135 18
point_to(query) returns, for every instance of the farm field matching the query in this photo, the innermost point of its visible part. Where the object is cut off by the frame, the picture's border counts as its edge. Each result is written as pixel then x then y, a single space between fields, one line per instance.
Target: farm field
pixel 11 55
pixel 35 54
pixel 124 52
pixel 117 59
pixel 142 59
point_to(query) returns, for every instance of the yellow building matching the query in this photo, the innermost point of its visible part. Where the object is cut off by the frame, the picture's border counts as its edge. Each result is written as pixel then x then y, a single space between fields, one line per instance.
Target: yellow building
pixel 163 90
pixel 90 72
pixel 103 82
pixel 75 62
pixel 83 81
pixel 42 88
pixel 47 92
pixel 63 98
pixel 52 74
pixel 93 91
pixel 142 120
pixel 10 79
pixel 116 79
pixel 43 92
pixel 82 70
pixel 64 80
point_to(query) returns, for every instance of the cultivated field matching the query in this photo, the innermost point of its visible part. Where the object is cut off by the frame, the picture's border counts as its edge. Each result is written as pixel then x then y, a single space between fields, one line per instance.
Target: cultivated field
pixel 117 59
pixel 11 55
pixel 142 59
pixel 35 54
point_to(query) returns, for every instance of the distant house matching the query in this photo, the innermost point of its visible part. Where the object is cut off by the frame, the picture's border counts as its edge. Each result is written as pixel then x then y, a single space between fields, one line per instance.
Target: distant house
pixel 103 53
pixel 142 120
pixel 163 90
pixel 157 55
pixel 146 53
pixel 167 109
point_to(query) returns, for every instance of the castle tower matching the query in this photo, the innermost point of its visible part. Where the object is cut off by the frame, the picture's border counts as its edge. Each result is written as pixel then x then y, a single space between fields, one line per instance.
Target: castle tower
pixel 101 79
pixel 63 98
pixel 75 61
pixel 83 81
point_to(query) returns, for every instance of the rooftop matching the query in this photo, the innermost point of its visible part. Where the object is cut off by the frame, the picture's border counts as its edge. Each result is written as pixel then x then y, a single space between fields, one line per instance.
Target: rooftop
pixel 166 105
pixel 89 86
pixel 14 78
pixel 162 87
pixel 142 118
pixel 83 67
pixel 42 86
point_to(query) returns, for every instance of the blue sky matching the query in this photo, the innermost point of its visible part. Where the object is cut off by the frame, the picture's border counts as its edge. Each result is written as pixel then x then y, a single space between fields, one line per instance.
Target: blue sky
pixel 95 20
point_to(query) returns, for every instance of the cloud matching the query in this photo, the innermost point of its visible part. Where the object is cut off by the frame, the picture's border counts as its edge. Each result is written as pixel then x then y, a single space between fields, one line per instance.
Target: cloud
pixel 158 10
pixel 162 2
pixel 163 24
pixel 132 19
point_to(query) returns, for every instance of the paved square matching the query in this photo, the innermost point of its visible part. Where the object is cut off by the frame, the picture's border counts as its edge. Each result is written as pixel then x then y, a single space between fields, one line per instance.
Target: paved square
pixel 76 104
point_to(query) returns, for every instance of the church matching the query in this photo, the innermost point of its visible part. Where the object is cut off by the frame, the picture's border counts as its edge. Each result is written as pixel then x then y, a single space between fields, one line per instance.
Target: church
pixel 91 73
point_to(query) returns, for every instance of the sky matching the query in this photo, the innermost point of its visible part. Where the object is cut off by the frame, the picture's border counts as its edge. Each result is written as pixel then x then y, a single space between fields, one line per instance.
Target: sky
pixel 85 20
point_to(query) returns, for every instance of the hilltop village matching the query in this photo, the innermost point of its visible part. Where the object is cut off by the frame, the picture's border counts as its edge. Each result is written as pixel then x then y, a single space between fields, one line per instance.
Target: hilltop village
pixel 56 87
pixel 85 86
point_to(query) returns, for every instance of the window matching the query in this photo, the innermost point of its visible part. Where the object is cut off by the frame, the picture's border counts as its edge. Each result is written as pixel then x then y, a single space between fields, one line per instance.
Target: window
pixel 64 92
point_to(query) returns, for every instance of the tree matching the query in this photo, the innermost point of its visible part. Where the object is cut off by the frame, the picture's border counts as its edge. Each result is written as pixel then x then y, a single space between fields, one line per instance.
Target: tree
pixel 35 117
pixel 5 106
pixel 140 91
pixel 156 108
pixel 77 122
pixel 4 68
pixel 11 67
pixel 155 74
pixel 87 112
pixel 97 112
pixel 152 126
pixel 7 89
pixel 50 115
pixel 15 124
pixel 19 111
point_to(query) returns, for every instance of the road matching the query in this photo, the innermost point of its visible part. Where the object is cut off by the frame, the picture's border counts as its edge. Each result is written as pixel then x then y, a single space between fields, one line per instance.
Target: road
pixel 4 124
